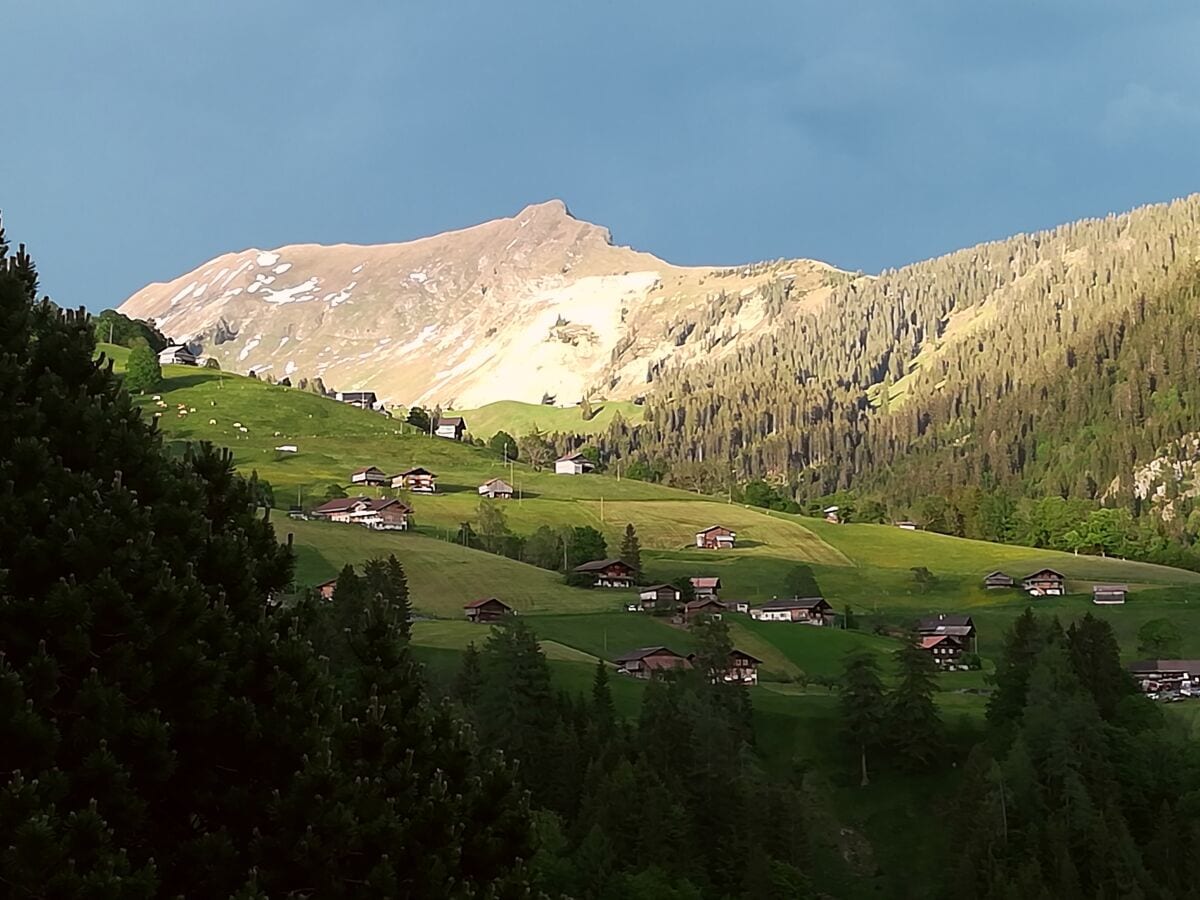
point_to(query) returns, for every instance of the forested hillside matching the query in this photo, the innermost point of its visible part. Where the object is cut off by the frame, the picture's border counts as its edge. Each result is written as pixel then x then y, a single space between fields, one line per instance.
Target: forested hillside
pixel 1046 365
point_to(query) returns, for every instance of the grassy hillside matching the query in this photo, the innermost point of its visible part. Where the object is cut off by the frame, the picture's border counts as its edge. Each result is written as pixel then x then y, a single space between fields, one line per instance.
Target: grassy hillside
pixel 519 418
pixel 867 567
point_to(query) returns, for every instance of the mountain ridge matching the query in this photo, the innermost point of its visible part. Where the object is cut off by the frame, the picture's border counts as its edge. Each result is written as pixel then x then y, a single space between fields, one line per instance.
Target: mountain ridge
pixel 513 308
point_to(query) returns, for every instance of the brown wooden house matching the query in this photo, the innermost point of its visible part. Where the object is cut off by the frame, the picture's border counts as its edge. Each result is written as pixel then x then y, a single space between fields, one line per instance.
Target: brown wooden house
pixel 708 608
pixel 369 475
pixel 660 596
pixel 946 649
pixel 715 537
pixel 958 626
pixel 452 427
pixel 608 573
pixel 487 610
pixel 417 480
pixel 742 668
pixel 1167 677
pixel 377 513
pixel 647 662
pixel 706 587
pixel 1045 583
pixel 1109 594
pixel 805 610
pixel 496 489
pixel 998 581
pixel 326 588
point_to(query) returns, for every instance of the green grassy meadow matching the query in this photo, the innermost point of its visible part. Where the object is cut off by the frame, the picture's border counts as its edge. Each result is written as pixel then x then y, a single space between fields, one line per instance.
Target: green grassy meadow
pixel 519 418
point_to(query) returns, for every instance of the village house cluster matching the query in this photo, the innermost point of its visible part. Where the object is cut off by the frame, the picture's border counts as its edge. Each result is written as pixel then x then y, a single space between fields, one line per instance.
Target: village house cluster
pixel 1051 583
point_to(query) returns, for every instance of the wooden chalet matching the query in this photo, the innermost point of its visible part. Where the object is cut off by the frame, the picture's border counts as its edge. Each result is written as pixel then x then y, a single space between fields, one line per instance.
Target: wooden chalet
pixel 998 581
pixel 649 661
pixel 716 537
pixel 371 476
pixel 1109 594
pixel 573 464
pixel 452 427
pixel 496 489
pixel 660 596
pixel 946 649
pixel 1045 583
pixel 361 399
pixel 943 625
pixel 705 587
pixel 608 573
pixel 737 606
pixel 806 610
pixel 379 514
pixel 416 480
pixel 708 608
pixel 742 668
pixel 176 355
pixel 1167 677
pixel 326 588
pixel 487 610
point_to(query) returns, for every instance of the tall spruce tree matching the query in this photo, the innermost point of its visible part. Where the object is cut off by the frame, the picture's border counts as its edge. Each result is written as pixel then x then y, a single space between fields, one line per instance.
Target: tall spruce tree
pixel 863 706
pixel 915 731
pixel 631 550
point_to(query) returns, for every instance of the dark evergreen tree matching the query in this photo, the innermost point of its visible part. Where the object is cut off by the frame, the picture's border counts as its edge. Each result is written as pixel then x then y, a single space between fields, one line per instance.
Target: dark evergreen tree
pixel 631 550
pixel 863 706
pixel 142 371
pixel 915 731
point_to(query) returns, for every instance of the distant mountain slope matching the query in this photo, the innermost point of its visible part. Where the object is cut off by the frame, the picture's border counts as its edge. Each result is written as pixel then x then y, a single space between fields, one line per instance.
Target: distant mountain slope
pixel 1050 364
pixel 507 310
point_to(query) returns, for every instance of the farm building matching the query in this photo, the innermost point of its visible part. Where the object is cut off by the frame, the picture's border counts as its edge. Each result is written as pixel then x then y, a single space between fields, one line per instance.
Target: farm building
pixel 742 668
pixel 737 606
pixel 608 573
pixel 1045 583
pixel 417 480
pixel 361 399
pixel 715 537
pixel 487 610
pixel 806 610
pixel 1109 594
pixel 942 625
pixel 496 489
pixel 660 596
pixel 705 587
pixel 176 355
pixel 647 661
pixel 326 588
pixel 946 649
pixel 452 427
pixel 832 515
pixel 997 580
pixel 375 513
pixel 1171 677
pixel 907 525
pixel 369 475
pixel 573 464
pixel 708 608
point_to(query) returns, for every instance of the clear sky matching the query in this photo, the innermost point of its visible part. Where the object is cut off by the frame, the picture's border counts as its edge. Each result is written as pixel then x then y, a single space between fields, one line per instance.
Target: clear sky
pixel 139 138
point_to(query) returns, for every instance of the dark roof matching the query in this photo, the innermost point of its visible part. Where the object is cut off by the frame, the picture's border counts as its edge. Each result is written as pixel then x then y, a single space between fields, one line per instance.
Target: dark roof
pixel 643 652
pixel 714 528
pixel 707 601
pixel 574 455
pixel 418 470
pixel 795 603
pixel 451 420
pixel 326 583
pixel 1191 666
pixel 659 587
pixel 1044 572
pixel 998 574
pixel 598 565
pixel 497 483
pixel 373 503
pixel 930 623
pixel 1110 588
pixel 752 658
pixel 476 604
pixel 367 469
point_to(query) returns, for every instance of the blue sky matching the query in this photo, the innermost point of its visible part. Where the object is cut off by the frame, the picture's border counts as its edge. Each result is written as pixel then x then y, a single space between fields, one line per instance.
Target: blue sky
pixel 141 138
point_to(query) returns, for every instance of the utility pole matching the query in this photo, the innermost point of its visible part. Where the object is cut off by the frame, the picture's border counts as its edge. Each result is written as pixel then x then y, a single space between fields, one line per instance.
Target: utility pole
pixel 601 510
